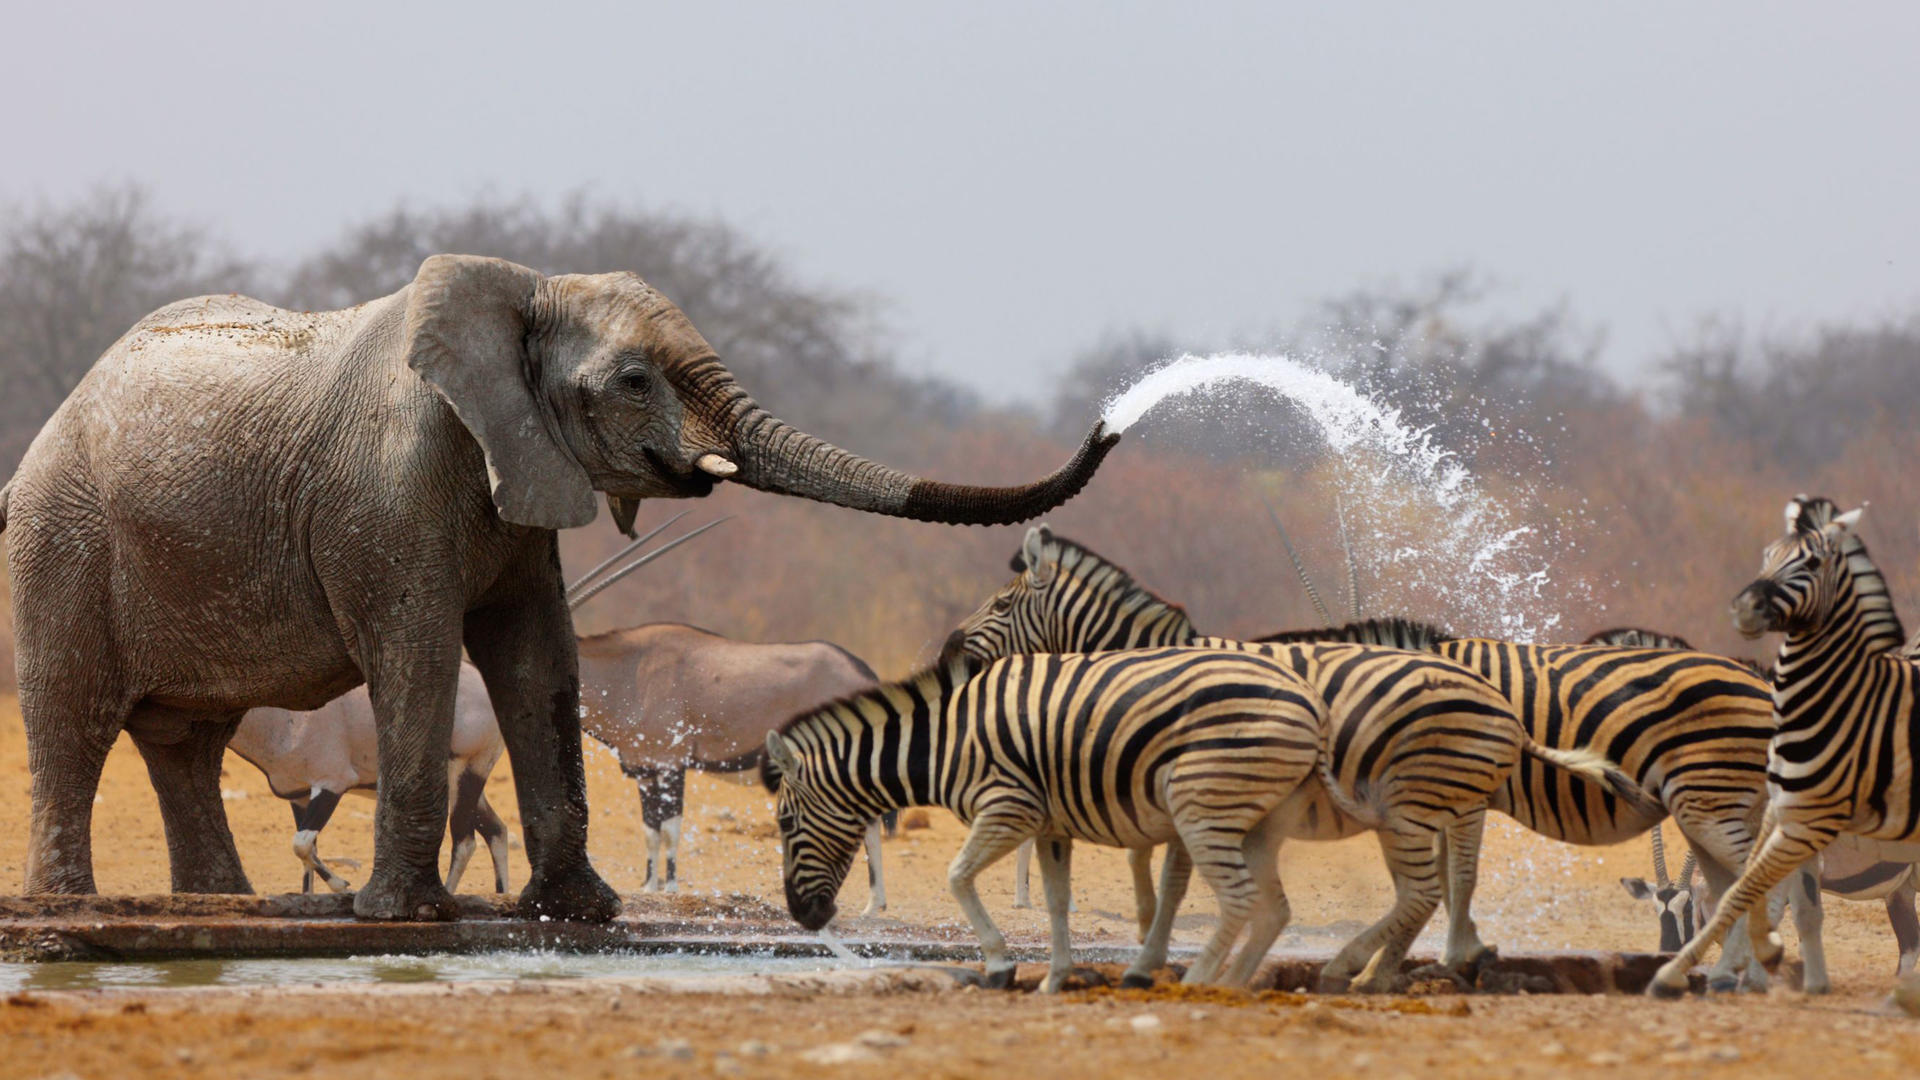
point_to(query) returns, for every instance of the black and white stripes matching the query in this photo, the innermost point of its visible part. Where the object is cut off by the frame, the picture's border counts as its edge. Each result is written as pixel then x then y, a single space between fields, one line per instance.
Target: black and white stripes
pixel 1848 709
pixel 1124 749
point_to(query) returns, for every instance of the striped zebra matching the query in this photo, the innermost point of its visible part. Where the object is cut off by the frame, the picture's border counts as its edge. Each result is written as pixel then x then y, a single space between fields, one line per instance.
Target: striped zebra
pixel 1846 699
pixel 1417 749
pixel 1850 868
pixel 1689 728
pixel 1121 749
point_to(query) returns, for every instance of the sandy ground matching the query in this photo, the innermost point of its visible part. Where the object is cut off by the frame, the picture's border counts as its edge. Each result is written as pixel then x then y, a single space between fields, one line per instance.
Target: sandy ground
pixel 1534 895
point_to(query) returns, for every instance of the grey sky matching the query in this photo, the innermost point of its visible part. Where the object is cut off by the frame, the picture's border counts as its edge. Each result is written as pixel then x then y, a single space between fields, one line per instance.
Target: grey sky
pixel 1018 178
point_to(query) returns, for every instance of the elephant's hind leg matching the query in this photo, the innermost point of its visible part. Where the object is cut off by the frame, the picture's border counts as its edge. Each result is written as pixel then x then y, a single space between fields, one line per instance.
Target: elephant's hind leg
pixel 67 746
pixel 183 755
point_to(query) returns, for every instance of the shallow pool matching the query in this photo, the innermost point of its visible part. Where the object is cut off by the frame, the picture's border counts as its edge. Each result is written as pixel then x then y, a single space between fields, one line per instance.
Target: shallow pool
pixel 453 967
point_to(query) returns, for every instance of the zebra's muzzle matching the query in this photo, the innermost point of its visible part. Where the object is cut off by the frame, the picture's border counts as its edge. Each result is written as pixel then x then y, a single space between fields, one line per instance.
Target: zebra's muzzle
pixel 811 912
pixel 1753 608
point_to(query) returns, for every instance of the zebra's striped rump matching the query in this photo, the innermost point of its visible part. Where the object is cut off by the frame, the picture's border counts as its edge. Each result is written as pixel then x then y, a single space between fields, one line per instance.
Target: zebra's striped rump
pixel 1119 749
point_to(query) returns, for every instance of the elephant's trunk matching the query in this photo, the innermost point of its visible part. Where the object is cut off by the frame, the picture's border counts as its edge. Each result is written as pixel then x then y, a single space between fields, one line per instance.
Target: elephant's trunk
pixel 774 456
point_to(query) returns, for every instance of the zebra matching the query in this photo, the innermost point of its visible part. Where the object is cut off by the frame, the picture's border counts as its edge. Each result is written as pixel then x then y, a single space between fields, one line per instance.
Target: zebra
pixel 1846 700
pixel 1418 748
pixel 1119 749
pixel 1850 868
pixel 1689 729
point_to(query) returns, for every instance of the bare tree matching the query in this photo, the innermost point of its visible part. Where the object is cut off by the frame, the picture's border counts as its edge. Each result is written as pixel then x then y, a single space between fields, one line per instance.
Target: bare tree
pixel 73 278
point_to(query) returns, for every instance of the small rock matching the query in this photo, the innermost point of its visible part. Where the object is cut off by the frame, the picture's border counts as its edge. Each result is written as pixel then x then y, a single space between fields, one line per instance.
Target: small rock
pixel 1607 1059
pixel 1006 1038
pixel 876 1039
pixel 677 1049
pixel 755 1048
pixel 1724 1054
pixel 1552 1049
pixel 1145 1024
pixel 1197 1015
pixel 183 1055
pixel 839 1054
pixel 725 1064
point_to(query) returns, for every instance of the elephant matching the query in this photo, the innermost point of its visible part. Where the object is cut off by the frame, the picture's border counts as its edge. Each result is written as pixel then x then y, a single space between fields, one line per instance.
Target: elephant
pixel 243 506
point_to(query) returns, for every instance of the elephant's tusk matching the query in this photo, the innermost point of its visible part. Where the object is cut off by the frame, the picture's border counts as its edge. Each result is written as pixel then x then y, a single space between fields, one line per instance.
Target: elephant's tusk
pixel 715 465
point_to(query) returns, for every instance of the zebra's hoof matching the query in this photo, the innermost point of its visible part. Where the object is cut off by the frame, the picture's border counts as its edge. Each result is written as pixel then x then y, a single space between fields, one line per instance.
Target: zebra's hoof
pixel 999 980
pixel 1663 992
pixel 1135 981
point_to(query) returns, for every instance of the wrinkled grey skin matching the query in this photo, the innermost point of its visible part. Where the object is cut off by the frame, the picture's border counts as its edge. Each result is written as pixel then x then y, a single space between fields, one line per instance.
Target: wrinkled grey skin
pixel 312 758
pixel 243 506
pixel 667 697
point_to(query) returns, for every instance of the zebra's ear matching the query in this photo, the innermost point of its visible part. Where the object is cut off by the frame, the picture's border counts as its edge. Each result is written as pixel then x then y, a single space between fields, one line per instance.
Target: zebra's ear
pixel 780 753
pixel 954 656
pixel 1851 519
pixel 1033 552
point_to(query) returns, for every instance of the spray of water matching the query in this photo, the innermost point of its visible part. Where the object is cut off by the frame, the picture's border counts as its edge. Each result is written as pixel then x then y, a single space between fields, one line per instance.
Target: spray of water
pixel 1449 550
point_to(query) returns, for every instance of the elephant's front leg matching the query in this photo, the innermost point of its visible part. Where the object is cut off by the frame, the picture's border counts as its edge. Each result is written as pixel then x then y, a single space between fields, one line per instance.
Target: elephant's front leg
pixel 522 641
pixel 412 688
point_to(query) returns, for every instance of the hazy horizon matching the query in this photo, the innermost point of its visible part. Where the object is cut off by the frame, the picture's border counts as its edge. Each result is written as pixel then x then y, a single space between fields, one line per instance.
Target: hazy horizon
pixel 1014 183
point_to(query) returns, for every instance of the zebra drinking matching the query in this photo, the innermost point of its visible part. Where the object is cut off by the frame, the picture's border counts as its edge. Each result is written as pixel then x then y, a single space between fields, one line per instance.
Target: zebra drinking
pixel 1841 760
pixel 1121 749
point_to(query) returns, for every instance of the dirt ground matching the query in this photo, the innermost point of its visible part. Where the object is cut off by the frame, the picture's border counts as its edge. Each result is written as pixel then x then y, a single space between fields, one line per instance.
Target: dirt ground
pixel 1534 895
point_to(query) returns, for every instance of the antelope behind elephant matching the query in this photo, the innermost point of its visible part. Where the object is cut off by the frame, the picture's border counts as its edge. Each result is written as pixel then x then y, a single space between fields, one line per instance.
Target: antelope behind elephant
pixel 666 697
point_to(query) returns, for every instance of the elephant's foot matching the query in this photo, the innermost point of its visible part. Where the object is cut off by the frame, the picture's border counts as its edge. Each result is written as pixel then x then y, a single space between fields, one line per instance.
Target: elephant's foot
pixel 578 895
pixel 999 978
pixel 222 880
pixel 393 898
pixel 1724 984
pixel 1135 980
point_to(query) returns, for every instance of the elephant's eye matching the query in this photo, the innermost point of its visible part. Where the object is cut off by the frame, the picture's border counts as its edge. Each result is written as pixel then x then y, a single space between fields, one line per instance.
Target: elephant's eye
pixel 633 381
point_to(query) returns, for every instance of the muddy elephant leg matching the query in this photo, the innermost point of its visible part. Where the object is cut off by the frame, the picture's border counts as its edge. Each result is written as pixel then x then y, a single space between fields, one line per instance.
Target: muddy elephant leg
pixel 412 688
pixel 69 733
pixel 523 644
pixel 183 755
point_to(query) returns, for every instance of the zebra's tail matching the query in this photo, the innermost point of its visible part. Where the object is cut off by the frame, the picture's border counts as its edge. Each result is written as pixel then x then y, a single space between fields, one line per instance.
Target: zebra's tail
pixel 1354 807
pixel 1590 764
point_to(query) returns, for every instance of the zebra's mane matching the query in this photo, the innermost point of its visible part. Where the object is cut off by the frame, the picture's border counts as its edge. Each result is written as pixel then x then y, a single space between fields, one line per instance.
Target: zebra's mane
pixel 1395 631
pixel 929 683
pixel 1105 574
pixel 1877 616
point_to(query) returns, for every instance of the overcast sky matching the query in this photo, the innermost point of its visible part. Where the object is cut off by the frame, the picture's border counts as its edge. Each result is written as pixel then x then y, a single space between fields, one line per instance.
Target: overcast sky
pixel 1017 178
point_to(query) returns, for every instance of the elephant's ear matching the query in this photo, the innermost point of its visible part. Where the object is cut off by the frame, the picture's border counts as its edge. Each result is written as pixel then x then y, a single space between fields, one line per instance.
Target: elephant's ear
pixel 467 322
